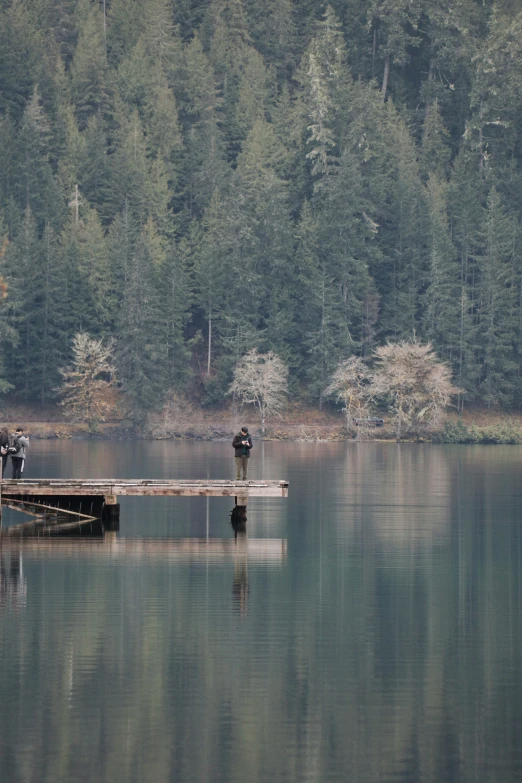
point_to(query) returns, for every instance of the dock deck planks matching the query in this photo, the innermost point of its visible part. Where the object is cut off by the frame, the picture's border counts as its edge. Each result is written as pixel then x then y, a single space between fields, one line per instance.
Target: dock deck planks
pixel 156 487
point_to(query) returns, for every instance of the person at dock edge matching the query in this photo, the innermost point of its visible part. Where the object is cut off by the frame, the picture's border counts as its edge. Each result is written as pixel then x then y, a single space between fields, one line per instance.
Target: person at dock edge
pixel 242 444
pixel 18 460
pixel 4 443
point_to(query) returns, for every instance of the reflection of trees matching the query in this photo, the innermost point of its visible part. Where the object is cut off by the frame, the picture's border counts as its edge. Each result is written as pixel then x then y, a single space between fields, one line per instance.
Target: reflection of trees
pixel 365 657
pixel 402 492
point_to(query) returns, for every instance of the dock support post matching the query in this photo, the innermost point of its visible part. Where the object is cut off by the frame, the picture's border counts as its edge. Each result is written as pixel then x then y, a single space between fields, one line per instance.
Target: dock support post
pixel 238 517
pixel 111 513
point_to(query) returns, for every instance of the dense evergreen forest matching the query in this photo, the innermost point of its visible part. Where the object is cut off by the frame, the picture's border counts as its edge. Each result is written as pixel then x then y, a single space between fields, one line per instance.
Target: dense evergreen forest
pixel 196 178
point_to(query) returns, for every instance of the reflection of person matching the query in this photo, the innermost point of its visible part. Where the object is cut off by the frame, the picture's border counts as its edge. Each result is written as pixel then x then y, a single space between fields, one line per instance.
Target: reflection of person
pixel 242 444
pixel 4 443
pixel 18 458
pixel 240 588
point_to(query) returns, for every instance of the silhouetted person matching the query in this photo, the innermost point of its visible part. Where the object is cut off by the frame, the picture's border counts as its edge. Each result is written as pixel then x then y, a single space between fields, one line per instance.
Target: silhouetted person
pixel 242 444
pixel 4 443
pixel 18 443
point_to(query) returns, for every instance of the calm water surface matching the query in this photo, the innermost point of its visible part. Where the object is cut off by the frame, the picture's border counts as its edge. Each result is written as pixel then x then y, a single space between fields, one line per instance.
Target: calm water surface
pixel 368 628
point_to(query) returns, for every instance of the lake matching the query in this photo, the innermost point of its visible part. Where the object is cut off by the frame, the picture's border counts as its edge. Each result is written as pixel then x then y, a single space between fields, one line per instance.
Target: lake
pixel 368 628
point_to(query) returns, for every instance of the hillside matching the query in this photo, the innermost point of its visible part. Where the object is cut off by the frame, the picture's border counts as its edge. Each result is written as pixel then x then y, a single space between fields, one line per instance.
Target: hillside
pixel 196 179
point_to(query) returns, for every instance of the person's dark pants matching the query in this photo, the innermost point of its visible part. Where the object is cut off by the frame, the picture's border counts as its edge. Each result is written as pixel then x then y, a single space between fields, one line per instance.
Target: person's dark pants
pixel 18 467
pixel 4 463
pixel 241 464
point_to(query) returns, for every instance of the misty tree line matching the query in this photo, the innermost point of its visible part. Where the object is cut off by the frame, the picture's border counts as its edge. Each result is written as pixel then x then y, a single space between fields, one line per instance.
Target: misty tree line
pixel 196 180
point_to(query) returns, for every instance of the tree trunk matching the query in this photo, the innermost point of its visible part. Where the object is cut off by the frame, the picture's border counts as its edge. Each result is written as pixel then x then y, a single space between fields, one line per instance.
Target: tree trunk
pixel 209 353
pixel 374 51
pixel 385 76
pixel 262 421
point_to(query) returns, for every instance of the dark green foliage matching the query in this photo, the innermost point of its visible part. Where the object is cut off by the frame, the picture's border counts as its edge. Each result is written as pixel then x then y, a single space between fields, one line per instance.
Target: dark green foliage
pixel 198 179
pixel 503 432
pixel 453 432
pixel 142 351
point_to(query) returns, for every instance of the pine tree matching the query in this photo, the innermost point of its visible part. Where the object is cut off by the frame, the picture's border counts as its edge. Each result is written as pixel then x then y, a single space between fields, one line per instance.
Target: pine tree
pixel 129 179
pixel 465 199
pixel 443 294
pixel 265 215
pixel 121 238
pixel 142 348
pixel 8 335
pixel 89 70
pixel 178 298
pixel 402 238
pixel 273 31
pixel 77 302
pixel 163 131
pixel 34 182
pixel 347 242
pixel 7 159
pixel 204 168
pixel 94 168
pixel 23 272
pixel 435 152
pixel 50 354
pixel 315 308
pixel 74 153
pixel 20 50
pixel 62 21
pixel 321 138
pixel 212 273
pixel 94 267
pixel 162 39
pixel 393 24
pixel 254 91
pixel 137 76
pixel 229 47
pixel 497 303
pixel 496 92
pixel 123 29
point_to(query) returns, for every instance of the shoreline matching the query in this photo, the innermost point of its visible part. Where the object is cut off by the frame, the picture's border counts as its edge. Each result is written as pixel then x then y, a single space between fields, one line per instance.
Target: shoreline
pixel 300 425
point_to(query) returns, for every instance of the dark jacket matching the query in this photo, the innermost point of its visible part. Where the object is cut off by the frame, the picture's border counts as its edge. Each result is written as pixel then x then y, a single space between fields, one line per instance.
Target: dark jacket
pixel 237 444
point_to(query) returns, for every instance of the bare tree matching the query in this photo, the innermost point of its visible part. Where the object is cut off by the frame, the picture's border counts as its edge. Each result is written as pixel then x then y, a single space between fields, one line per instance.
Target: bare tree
pixel 351 384
pixel 261 379
pixel 417 385
pixel 87 383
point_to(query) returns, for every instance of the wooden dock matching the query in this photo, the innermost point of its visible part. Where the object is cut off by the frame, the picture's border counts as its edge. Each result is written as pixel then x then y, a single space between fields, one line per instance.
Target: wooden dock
pixel 69 506
pixel 111 488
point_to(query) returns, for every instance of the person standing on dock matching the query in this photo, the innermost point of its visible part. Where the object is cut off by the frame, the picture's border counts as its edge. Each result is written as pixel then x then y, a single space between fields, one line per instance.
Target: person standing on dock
pixel 242 444
pixel 17 446
pixel 4 443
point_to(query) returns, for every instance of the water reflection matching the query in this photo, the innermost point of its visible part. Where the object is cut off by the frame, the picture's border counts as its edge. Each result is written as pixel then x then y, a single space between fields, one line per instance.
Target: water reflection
pixel 240 586
pixel 403 493
pixel 199 551
pixel 13 584
pixel 369 628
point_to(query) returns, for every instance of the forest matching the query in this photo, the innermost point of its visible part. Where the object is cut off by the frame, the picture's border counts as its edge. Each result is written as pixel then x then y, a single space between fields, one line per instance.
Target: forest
pixel 195 179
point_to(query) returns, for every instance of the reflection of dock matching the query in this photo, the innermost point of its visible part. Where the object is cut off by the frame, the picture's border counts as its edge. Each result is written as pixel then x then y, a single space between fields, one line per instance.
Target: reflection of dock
pixel 184 550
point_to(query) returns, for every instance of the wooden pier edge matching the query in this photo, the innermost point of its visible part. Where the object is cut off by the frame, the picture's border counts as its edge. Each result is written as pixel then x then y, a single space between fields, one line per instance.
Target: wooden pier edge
pixel 112 488
pixel 84 500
